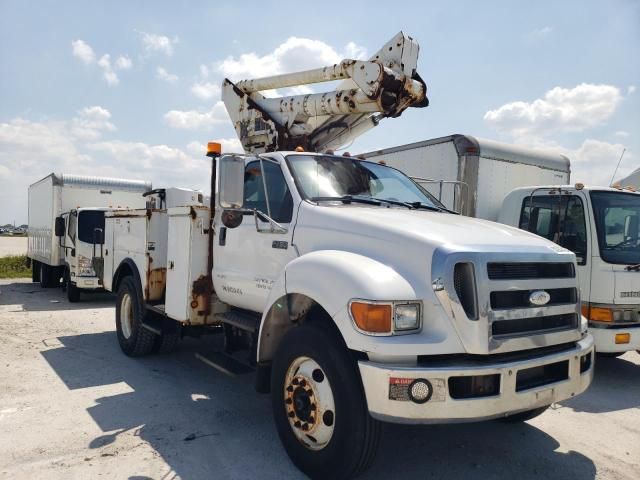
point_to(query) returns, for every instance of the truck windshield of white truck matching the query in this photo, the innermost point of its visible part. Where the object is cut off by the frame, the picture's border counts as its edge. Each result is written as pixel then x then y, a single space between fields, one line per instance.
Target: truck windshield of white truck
pixel 617 215
pixel 332 178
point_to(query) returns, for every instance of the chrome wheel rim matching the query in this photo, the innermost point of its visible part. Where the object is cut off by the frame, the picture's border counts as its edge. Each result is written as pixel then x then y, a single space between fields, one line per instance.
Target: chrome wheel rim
pixel 126 315
pixel 309 403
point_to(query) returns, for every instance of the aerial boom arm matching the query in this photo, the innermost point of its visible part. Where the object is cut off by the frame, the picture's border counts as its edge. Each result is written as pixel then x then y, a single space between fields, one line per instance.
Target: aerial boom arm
pixel 384 86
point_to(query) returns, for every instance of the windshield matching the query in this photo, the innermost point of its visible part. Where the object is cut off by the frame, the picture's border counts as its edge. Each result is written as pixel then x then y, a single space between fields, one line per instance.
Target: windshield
pixel 616 215
pixel 320 176
pixel 87 221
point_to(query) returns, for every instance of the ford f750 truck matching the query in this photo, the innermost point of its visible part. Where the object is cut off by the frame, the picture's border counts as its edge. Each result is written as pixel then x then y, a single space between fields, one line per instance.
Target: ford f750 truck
pixel 356 295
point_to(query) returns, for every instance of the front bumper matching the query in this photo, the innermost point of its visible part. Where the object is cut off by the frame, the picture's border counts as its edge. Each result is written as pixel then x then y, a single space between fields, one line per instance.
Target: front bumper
pixel 442 408
pixel 605 339
pixel 87 283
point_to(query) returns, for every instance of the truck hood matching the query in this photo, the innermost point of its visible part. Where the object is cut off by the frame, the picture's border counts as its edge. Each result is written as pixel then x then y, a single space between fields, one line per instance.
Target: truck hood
pixel 434 229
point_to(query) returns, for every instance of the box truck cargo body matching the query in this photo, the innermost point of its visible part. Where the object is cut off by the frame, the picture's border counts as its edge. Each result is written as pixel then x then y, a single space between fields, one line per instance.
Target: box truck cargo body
pixel 78 202
pixel 473 175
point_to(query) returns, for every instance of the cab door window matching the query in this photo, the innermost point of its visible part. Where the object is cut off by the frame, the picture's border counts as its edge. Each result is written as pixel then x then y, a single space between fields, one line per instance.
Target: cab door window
pixel 266 190
pixel 559 219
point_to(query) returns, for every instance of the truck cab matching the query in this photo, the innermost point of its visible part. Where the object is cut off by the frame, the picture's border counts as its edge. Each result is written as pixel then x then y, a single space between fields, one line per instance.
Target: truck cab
pixel 600 225
pixel 81 235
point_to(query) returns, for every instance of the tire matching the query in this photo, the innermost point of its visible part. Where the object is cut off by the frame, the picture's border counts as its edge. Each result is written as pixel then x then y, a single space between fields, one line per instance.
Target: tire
pixel 35 271
pixel 345 441
pixel 524 416
pixel 73 292
pixel 134 339
pixel 44 275
pixel 167 342
pixel 610 354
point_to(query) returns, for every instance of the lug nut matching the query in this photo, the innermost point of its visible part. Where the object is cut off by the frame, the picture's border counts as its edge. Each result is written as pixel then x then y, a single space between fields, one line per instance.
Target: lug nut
pixel 292 414
pixel 313 407
pixel 297 424
pixel 305 427
pixel 289 389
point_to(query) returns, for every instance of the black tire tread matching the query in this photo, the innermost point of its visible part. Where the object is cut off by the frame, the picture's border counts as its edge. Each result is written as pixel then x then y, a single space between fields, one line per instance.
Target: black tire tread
pixel 357 460
pixel 142 340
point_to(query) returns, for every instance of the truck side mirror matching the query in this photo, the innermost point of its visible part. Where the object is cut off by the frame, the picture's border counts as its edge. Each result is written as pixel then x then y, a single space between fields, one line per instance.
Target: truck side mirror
pixel 59 227
pixel 231 182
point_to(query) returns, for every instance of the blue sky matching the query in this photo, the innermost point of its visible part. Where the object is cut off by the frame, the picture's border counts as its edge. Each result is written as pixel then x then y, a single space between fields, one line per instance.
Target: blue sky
pixel 130 89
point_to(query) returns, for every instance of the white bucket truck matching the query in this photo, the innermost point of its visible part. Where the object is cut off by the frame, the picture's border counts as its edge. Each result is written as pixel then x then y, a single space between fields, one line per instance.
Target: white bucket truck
pixel 66 222
pixel 529 189
pixel 358 298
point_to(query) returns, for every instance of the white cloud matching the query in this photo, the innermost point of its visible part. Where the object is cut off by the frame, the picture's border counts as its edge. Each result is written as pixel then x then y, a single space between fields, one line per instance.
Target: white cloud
pixel 293 55
pixel 123 62
pixel 195 119
pixel 595 161
pixel 31 150
pixel 540 33
pixel 631 89
pixel 91 122
pixel 621 133
pixel 206 90
pixel 107 71
pixel 83 51
pixel 158 43
pixel 162 74
pixel 561 109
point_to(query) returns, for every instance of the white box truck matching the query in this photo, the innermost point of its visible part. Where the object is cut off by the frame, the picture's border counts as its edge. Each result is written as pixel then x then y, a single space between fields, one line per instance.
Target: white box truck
pixel 66 221
pixel 529 189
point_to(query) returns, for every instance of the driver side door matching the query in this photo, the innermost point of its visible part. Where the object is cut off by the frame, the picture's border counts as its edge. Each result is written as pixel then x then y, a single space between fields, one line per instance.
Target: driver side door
pixel 247 262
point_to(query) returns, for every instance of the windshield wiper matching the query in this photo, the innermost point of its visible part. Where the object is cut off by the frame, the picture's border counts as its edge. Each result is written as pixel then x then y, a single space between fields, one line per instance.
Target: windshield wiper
pixel 346 199
pixel 635 267
pixel 430 207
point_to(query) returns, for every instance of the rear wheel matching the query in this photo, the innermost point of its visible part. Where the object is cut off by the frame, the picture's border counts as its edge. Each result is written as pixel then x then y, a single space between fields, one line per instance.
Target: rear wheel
pixel 134 339
pixel 45 275
pixel 319 405
pixel 35 271
pixel 524 416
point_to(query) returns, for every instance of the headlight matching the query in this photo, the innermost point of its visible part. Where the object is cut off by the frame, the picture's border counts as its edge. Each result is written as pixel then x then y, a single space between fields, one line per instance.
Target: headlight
pixel 407 316
pixel 85 267
pixel 385 318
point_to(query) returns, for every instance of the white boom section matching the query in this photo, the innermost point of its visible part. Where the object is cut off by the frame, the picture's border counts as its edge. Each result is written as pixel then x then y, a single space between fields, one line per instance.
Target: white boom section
pixel 384 86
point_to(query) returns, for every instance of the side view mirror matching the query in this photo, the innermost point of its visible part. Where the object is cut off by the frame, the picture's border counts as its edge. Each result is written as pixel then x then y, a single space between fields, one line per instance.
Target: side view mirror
pixel 231 182
pixel 59 227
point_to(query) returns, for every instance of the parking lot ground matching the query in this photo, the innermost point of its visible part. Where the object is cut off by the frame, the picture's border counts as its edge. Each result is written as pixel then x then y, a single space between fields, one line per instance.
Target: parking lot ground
pixel 73 406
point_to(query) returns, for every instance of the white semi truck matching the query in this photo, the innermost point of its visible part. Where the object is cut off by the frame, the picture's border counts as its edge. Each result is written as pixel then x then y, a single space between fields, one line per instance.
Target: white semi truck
pixel 529 189
pixel 356 295
pixel 66 223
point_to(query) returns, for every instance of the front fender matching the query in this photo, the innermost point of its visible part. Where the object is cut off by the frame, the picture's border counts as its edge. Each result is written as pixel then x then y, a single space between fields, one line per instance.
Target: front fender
pixel 333 277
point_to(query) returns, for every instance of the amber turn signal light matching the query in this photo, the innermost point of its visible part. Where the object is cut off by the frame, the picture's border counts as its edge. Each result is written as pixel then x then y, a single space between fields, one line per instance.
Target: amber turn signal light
pixel 622 338
pixel 371 317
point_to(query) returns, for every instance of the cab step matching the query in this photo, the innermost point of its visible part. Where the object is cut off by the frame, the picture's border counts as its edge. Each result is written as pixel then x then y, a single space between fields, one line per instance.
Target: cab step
pixel 225 363
pixel 247 321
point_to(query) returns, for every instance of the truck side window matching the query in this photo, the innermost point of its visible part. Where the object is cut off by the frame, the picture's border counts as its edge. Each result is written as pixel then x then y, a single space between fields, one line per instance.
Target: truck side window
pixel 280 200
pixel 560 220
pixel 71 223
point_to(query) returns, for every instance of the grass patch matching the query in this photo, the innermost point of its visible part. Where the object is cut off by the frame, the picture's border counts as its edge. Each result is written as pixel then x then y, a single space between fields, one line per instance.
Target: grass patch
pixel 14 266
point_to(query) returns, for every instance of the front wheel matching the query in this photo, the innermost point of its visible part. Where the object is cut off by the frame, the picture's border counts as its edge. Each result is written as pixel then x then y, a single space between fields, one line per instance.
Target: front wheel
pixel 319 405
pixel 73 292
pixel 134 339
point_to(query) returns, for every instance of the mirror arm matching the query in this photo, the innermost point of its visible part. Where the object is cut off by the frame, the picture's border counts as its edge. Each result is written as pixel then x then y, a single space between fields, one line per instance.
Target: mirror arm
pixel 274 227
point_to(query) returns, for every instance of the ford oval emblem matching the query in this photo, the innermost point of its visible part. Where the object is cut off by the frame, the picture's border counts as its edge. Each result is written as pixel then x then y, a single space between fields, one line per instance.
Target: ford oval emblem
pixel 539 298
